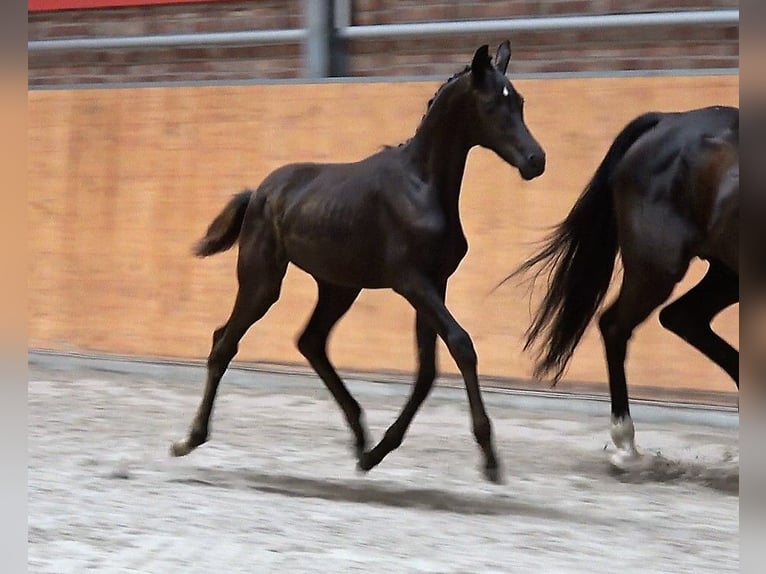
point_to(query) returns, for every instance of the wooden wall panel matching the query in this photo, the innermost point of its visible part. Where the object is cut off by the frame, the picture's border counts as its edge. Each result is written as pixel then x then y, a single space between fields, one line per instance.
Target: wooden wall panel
pixel 122 182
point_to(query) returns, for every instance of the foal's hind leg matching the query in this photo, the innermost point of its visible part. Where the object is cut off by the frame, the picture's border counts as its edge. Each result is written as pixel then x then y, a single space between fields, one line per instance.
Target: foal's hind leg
pixel 260 273
pixel 642 291
pixel 426 341
pixel 332 304
pixel 689 316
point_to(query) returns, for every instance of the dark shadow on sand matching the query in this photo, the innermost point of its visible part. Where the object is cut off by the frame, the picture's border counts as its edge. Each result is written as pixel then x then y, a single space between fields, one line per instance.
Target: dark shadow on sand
pixel 389 494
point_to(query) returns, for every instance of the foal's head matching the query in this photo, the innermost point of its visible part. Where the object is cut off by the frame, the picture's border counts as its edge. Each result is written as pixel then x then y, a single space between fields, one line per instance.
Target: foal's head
pixel 497 113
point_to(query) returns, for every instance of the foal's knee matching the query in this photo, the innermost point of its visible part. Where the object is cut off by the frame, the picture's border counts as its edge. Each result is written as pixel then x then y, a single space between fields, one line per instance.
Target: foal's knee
pixel 462 349
pixel 426 372
pixel 220 356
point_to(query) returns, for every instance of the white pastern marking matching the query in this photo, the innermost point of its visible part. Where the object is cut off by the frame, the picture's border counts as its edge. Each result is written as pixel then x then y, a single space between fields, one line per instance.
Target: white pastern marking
pixel 623 435
pixel 623 432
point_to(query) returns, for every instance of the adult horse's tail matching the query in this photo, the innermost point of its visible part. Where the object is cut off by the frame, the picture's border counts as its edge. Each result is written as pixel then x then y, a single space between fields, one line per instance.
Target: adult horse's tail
pixel 223 232
pixel 579 256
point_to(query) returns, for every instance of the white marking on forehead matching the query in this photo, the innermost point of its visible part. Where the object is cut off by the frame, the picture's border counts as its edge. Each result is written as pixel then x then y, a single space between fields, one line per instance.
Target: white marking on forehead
pixel 505 91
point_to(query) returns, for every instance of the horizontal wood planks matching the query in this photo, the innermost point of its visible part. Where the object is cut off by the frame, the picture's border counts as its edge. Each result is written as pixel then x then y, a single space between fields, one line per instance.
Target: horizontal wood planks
pixel 123 181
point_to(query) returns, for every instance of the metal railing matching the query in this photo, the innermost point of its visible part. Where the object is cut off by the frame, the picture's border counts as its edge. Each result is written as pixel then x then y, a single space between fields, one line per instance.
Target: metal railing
pixel 322 31
pixel 251 37
pixel 645 20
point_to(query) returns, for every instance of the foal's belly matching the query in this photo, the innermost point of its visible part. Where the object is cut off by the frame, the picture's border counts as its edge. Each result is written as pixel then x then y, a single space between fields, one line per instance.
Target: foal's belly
pixel 362 240
pixel 350 261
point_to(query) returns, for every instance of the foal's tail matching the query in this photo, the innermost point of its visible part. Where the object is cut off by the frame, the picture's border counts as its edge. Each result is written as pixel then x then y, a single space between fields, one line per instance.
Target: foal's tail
pixel 579 257
pixel 223 232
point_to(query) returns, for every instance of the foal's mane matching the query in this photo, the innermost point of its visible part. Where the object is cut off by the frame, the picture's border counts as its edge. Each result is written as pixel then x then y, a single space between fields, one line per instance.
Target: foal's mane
pixel 438 91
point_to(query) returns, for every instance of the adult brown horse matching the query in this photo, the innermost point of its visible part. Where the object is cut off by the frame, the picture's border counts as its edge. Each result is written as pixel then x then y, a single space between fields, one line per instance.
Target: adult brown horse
pixel 667 191
pixel 388 221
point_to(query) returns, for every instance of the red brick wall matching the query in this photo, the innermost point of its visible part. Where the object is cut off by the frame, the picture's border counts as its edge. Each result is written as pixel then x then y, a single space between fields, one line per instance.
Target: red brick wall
pixel 166 64
pixel 390 11
pixel 676 47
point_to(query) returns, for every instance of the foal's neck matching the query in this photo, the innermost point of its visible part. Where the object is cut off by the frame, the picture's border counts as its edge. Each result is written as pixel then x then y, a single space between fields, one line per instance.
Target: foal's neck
pixel 441 144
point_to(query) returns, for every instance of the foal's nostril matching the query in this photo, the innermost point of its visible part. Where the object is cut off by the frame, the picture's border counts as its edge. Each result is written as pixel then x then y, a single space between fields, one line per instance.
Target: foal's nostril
pixel 536 160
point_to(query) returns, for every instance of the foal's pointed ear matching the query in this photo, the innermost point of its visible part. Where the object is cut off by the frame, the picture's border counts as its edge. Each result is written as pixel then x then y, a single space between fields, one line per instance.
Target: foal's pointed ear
pixel 503 56
pixel 480 64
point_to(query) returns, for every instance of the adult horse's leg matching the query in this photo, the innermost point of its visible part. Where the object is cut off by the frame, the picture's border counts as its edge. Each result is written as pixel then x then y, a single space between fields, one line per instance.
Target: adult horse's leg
pixel 332 304
pixel 689 316
pixel 426 341
pixel 260 272
pixel 643 290
pixel 427 300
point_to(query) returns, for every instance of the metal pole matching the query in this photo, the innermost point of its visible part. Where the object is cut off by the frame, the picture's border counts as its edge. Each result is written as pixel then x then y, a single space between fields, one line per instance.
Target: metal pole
pixel 253 37
pixel 342 18
pixel 691 17
pixel 316 47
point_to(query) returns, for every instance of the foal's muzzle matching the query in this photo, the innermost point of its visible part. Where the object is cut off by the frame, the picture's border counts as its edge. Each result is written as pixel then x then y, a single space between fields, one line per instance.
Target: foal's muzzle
pixel 533 166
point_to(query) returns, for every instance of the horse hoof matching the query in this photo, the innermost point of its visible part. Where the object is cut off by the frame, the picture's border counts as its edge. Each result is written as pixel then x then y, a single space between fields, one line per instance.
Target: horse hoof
pixel 363 464
pixel 180 448
pixel 493 474
pixel 627 459
pixel 358 451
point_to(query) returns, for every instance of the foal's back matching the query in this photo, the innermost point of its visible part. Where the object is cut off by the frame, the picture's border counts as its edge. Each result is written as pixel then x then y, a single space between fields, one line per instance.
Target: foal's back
pixel 339 221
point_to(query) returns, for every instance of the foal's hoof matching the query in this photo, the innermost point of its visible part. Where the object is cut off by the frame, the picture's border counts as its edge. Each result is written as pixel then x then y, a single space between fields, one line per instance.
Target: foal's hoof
pixel 182 448
pixel 358 451
pixel 493 474
pixel 364 463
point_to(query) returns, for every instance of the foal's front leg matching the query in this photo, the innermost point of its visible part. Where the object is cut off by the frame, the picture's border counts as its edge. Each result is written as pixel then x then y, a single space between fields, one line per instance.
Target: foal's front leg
pixel 426 341
pixel 425 297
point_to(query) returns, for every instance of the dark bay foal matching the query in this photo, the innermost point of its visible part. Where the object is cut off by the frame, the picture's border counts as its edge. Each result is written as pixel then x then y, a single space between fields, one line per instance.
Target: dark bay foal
pixel 388 221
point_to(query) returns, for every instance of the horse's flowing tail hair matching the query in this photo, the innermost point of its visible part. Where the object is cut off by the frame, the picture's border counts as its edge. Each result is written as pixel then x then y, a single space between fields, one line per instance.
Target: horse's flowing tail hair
pixel 579 257
pixel 223 232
